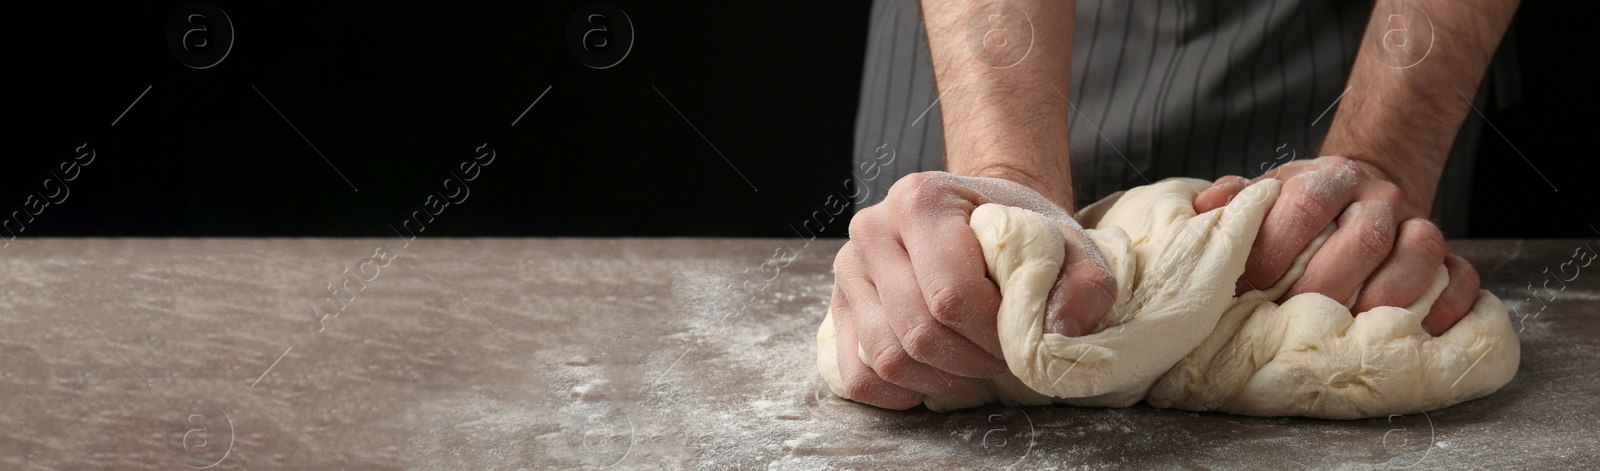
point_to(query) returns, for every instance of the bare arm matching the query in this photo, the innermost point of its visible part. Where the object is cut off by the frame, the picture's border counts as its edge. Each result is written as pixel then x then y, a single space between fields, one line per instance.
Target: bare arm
pixel 913 308
pixel 1405 102
pixel 1003 71
pixel 1419 64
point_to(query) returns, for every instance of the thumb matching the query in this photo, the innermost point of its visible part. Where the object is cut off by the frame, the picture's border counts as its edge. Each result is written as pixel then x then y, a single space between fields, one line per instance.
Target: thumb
pixel 1221 192
pixel 1085 290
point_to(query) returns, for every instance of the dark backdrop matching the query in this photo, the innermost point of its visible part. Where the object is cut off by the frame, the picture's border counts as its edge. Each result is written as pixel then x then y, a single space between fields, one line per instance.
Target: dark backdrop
pixel 724 119
pixel 1536 175
pixel 396 95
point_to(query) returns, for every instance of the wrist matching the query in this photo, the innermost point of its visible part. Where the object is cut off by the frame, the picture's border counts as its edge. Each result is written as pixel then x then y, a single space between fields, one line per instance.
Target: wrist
pixel 1417 189
pixel 1055 187
pixel 997 143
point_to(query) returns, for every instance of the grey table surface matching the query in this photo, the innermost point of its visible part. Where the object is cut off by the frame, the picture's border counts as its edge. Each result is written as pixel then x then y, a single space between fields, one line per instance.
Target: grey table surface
pixel 628 354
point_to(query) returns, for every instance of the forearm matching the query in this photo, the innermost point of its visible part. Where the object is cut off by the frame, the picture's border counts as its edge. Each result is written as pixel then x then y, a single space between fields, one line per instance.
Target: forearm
pixel 1408 94
pixel 1003 90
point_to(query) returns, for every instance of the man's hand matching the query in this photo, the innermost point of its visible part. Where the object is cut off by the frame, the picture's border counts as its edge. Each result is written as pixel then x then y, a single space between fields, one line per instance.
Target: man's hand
pixel 911 292
pixel 1407 96
pixel 1383 246
pixel 913 307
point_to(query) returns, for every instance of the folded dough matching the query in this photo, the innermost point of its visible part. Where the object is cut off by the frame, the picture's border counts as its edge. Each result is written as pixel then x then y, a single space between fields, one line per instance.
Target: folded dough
pixel 1178 338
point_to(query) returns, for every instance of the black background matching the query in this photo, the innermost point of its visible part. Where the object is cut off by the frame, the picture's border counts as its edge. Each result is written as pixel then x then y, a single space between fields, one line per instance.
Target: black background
pixel 1552 126
pixel 396 95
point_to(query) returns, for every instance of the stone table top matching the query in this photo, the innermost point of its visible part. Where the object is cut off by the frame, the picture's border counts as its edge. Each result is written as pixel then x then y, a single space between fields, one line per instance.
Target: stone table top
pixel 627 354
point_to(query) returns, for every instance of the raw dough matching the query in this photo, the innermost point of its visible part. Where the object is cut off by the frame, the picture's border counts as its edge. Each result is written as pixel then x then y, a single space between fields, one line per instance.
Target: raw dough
pixel 1178 338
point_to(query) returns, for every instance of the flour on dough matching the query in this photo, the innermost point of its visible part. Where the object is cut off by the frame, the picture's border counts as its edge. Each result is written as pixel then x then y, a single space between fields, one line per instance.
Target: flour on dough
pixel 1178 338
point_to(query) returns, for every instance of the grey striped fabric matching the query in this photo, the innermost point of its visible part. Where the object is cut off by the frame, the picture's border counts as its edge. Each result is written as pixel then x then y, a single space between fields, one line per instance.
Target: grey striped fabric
pixel 1162 88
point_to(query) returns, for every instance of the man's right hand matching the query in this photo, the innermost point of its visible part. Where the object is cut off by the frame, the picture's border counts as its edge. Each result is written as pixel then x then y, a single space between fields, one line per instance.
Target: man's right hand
pixel 913 308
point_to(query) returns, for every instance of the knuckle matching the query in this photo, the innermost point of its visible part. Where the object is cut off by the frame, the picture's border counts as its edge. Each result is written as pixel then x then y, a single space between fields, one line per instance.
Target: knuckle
pixel 1422 229
pixel 1102 283
pixel 1097 284
pixel 1463 269
pixel 945 303
pixel 1388 191
pixel 1307 204
pixel 912 180
pixel 1421 234
pixel 865 224
pixel 1336 161
pixel 860 384
pixel 923 342
pixel 1377 237
pixel 845 259
pixel 894 369
pixel 918 189
pixel 909 187
pixel 879 351
pixel 1341 165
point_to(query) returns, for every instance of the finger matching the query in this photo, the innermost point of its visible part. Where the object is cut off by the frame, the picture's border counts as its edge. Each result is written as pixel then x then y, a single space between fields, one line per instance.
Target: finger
pixel 1363 240
pixel 1456 300
pixel 1370 185
pixel 936 296
pixel 892 364
pixel 952 277
pixel 1402 278
pixel 1084 292
pixel 1287 171
pixel 1290 170
pixel 1221 192
pixel 856 291
pixel 1376 189
pixel 879 343
pixel 860 382
pixel 921 336
pixel 1307 203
